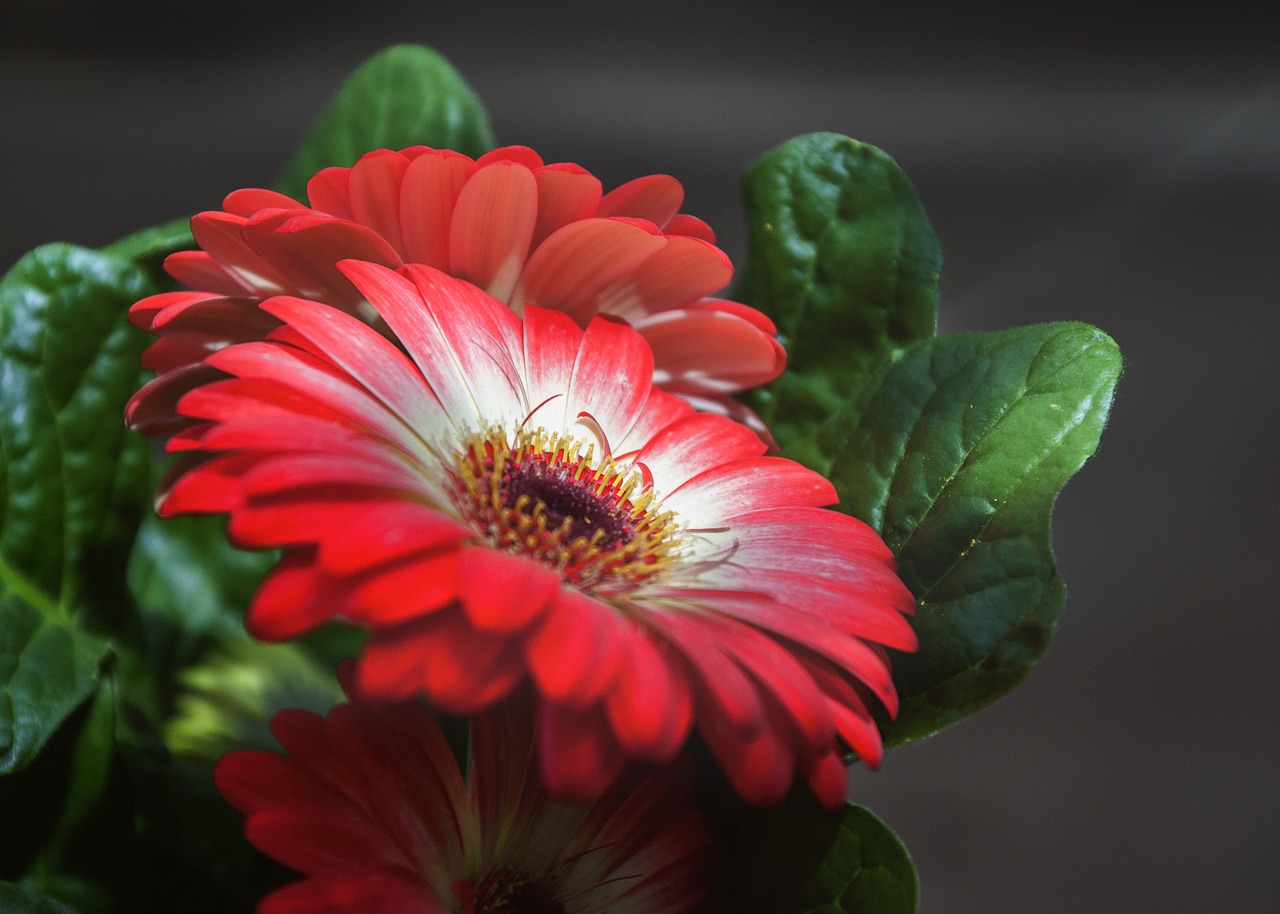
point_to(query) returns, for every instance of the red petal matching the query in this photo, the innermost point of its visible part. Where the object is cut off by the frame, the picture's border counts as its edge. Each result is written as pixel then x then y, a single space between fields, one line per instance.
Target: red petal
pixel 551 342
pixel 724 688
pixel 503 593
pixel 684 224
pixel 458 668
pixel 427 196
pixel 247 201
pixel 782 677
pixel 709 351
pixel 656 198
pixel 576 263
pixel 693 443
pixel 650 707
pixel 682 271
pixel 465 342
pixel 829 779
pixel 611 379
pixel 365 354
pixel 492 227
pixel 306 248
pixel 580 759
pixel 387 891
pixel 566 193
pixel 289 602
pixel 397 529
pixel 739 486
pixel 375 194
pixel 760 767
pixel 198 270
pixel 514 155
pixel 575 654
pixel 329 191
pixel 221 235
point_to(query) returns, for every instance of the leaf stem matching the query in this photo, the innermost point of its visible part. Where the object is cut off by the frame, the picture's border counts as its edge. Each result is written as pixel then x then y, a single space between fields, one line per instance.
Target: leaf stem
pixel 13 580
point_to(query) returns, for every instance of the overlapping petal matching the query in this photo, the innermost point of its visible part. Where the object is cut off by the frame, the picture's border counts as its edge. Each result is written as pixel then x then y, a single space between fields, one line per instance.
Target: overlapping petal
pixel 511 503
pixel 525 232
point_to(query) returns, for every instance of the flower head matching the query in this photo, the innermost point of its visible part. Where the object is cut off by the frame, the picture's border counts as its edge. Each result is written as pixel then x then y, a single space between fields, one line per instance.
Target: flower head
pixel 370 807
pixel 528 233
pixel 509 501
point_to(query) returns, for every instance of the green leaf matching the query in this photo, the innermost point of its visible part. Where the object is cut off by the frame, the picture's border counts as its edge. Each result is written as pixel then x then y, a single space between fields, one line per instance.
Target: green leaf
pixel 866 869
pixel 72 479
pixel 844 260
pixel 48 668
pixel 14 899
pixel 800 858
pixel 81 818
pixel 957 459
pixel 407 95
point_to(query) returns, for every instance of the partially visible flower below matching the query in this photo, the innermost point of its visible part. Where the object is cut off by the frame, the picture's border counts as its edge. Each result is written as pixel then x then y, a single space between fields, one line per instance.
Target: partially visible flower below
pixel 514 501
pixel 523 231
pixel 370 807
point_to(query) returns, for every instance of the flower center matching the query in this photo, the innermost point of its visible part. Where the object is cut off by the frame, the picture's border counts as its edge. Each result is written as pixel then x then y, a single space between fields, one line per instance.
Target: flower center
pixel 510 892
pixel 546 497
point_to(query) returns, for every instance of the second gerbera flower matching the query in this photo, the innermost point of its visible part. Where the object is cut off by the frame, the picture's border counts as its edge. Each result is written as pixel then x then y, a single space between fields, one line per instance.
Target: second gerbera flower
pixel 514 501
pixel 526 232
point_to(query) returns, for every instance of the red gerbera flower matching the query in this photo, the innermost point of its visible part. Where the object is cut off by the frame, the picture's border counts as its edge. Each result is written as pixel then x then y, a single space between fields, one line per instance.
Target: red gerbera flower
pixel 371 808
pixel 515 501
pixel 525 232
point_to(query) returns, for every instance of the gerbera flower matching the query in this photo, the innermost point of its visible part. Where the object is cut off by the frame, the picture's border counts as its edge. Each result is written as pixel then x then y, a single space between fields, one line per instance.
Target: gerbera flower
pixel 370 807
pixel 525 232
pixel 515 501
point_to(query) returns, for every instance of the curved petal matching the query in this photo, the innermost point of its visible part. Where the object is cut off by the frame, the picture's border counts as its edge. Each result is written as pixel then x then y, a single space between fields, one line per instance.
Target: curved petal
pixel 503 593
pixel 709 351
pixel 492 227
pixel 566 193
pixel 692 444
pixel 428 193
pixel 457 335
pixel 458 668
pixel 684 270
pixel 611 378
pixel 745 485
pixel 656 198
pixel 576 263
pixel 375 194
pixel 650 706
pixel 574 655
pixel 579 757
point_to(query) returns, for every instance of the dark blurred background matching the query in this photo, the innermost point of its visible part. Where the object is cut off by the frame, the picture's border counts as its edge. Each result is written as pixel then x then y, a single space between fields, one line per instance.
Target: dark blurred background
pixel 1117 167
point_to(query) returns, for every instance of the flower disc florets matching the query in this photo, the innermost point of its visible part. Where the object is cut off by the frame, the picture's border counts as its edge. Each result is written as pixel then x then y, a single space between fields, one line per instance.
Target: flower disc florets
pixel 550 498
pixel 507 891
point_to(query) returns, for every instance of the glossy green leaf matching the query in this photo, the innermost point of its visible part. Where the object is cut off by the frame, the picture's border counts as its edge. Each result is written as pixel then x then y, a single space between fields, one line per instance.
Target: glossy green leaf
pixel 72 479
pixel 843 258
pixel 867 869
pixel 407 95
pixel 14 899
pixel 47 668
pixel 957 459
pixel 800 858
